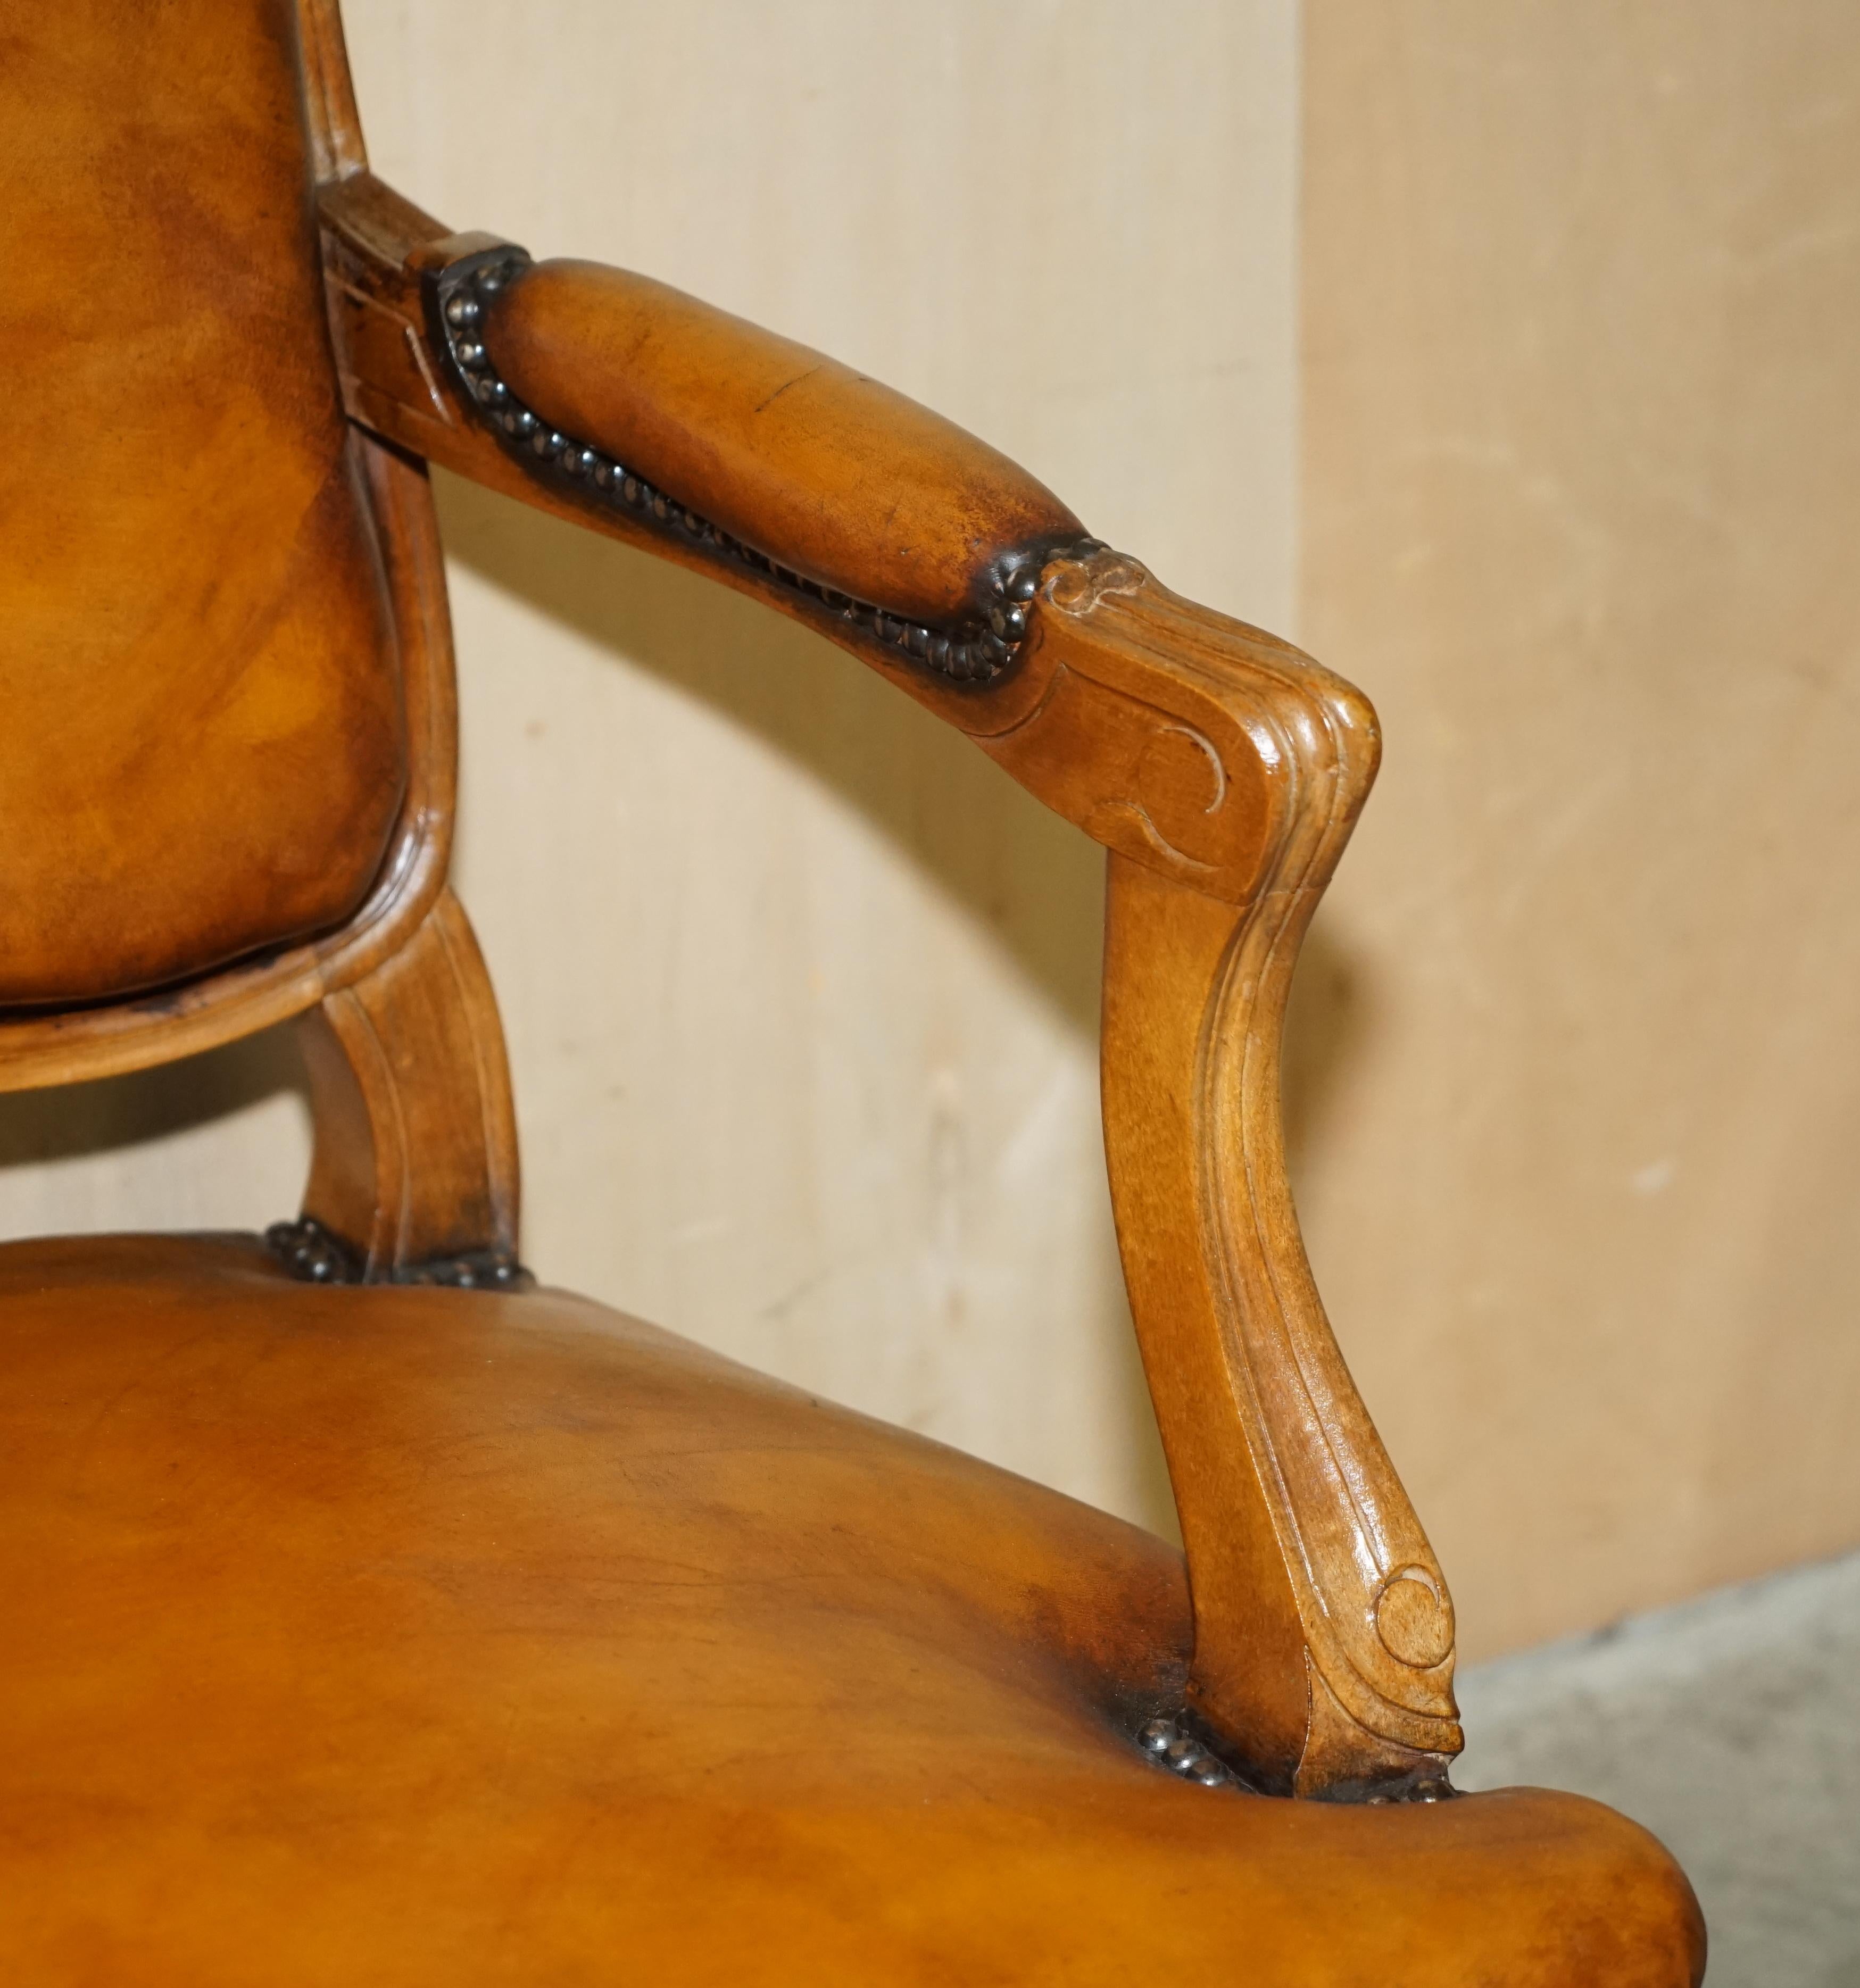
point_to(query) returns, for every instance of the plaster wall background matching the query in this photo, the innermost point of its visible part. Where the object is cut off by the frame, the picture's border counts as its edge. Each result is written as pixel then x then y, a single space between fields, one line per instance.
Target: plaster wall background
pixel 1582 497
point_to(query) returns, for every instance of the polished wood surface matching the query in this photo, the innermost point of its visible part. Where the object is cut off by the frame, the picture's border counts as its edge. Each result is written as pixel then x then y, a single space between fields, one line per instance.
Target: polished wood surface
pixel 1323 1628
pixel 415 1160
pixel 423 1636
pixel 205 750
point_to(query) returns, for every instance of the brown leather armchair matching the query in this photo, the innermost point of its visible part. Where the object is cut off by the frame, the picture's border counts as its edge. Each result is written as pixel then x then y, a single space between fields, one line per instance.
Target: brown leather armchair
pixel 375 1615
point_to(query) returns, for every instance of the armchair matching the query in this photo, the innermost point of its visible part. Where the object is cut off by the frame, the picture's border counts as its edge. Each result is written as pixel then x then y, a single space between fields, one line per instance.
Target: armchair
pixel 399 1618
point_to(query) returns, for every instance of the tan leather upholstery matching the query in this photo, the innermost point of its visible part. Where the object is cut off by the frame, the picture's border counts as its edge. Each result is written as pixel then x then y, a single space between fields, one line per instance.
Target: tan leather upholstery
pixel 443 1638
pixel 202 750
pixel 852 484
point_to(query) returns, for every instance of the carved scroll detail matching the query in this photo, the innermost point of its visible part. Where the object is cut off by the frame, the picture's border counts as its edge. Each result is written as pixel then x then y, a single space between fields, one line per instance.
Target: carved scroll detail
pixel 1146 757
pixel 1324 1650
pixel 1371 1602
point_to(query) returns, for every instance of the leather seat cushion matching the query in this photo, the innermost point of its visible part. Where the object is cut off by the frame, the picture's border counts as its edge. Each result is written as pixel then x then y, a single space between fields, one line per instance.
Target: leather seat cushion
pixel 413 1636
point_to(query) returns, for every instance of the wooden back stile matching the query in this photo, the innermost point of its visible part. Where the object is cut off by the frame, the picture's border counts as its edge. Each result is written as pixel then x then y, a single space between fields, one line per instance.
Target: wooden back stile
pixel 237 111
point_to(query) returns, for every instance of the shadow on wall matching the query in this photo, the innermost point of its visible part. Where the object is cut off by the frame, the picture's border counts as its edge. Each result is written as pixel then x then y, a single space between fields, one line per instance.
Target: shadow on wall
pixel 1034 879
pixel 1031 881
pixel 957 814
pixel 1330 1027
pixel 40 1126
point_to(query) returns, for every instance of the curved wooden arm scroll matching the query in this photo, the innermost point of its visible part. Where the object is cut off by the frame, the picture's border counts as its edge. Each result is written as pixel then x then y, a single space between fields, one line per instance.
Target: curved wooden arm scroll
pixel 1221 768
pixel 1323 1648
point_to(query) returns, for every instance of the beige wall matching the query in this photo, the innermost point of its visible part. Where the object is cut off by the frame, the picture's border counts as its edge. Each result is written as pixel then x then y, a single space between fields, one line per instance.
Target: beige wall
pixel 1582 503
pixel 801 991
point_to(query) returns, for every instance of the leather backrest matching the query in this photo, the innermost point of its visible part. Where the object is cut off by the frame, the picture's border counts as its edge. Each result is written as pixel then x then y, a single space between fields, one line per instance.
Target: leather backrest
pixel 202 747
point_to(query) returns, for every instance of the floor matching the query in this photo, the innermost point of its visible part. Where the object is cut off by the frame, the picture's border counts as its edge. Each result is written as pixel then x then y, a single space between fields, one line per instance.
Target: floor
pixel 1730 1726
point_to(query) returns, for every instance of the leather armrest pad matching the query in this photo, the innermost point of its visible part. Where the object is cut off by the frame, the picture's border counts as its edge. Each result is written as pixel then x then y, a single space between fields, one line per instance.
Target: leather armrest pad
pixel 847 481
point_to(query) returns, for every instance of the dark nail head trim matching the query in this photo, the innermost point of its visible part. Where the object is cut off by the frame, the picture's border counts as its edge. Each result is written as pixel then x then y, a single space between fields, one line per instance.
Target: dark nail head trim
pixel 314 1255
pixel 1182 1743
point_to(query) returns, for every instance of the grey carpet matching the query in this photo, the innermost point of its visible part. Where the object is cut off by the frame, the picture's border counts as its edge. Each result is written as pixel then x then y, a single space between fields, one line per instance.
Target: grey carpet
pixel 1730 1726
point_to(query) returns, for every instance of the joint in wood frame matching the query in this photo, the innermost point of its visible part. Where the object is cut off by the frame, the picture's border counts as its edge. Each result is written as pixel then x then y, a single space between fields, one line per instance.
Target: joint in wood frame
pixel 414 1178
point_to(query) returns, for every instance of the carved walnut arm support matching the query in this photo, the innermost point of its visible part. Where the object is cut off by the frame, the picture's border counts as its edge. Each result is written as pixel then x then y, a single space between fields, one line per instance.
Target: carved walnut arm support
pixel 1221 768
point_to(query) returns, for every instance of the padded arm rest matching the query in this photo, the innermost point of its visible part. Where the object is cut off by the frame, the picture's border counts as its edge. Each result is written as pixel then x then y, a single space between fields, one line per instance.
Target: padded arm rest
pixel 827 471
pixel 628 405
pixel 1223 770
